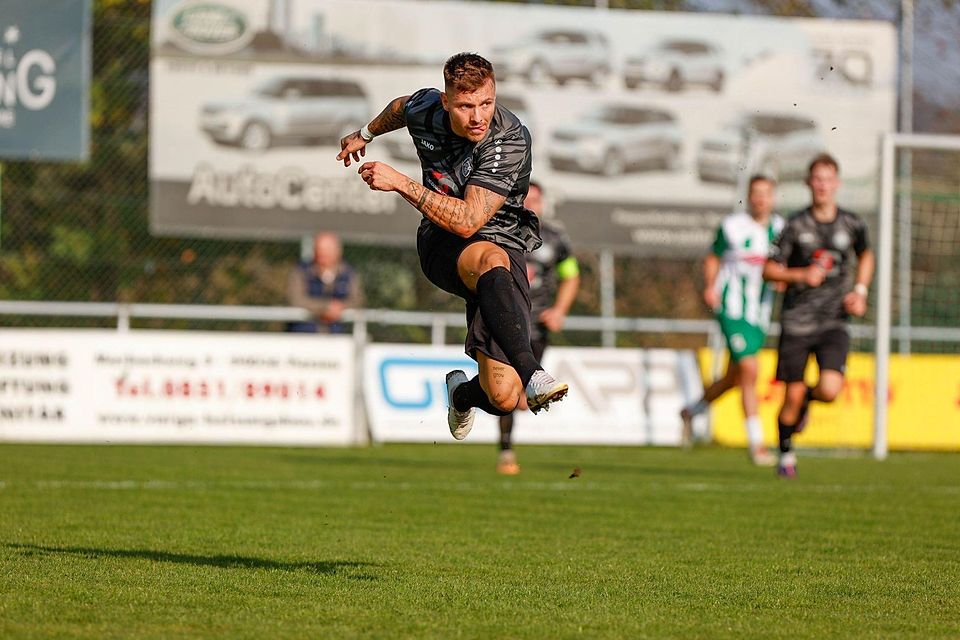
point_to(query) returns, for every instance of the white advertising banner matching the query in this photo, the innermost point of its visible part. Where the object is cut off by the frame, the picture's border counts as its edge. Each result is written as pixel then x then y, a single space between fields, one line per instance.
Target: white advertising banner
pixel 176 387
pixel 645 125
pixel 617 396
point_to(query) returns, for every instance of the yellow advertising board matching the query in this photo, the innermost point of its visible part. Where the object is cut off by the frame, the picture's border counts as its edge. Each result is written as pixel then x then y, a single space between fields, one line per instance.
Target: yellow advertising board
pixel 924 409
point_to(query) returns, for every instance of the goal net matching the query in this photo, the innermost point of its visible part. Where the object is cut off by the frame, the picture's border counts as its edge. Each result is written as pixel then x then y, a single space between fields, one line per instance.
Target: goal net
pixel 918 295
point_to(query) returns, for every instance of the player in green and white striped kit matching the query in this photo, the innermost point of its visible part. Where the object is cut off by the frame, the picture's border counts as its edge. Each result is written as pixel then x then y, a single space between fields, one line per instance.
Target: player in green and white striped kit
pixel 735 290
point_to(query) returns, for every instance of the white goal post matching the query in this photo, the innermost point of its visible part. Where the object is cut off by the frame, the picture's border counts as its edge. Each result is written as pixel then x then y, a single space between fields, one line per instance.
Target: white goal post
pixel 891 143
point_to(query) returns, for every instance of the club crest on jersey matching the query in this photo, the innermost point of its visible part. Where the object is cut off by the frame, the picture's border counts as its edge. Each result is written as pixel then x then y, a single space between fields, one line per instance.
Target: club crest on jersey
pixel 841 240
pixel 807 237
pixel 467 167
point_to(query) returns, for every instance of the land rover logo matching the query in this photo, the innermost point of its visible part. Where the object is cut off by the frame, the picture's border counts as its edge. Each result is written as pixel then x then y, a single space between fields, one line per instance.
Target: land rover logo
pixel 211 28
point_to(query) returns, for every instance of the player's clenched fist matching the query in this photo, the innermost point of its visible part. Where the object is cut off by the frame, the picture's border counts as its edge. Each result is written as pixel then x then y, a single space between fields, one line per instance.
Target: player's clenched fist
pixel 814 275
pixel 855 304
pixel 380 176
pixel 712 298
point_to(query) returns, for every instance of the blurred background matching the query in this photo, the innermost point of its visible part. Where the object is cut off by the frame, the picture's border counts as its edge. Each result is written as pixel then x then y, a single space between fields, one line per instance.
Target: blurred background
pixel 82 232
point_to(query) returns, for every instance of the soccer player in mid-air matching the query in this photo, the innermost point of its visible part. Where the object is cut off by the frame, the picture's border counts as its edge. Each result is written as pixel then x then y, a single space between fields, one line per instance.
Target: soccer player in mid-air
pixel 736 291
pixel 475 161
pixel 554 276
pixel 814 256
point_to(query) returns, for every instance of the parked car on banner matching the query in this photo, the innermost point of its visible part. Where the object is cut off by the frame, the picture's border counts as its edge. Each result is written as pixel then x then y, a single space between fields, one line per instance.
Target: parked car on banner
pixel 557 55
pixel 295 110
pixel 776 145
pixel 615 138
pixel 676 64
pixel 400 145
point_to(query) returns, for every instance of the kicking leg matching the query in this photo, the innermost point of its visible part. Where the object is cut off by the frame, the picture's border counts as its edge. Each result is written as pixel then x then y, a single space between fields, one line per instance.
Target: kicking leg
pixel 485 268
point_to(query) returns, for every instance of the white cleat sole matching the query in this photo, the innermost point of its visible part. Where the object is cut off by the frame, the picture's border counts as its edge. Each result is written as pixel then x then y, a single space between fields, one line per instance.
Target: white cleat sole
pixel 544 401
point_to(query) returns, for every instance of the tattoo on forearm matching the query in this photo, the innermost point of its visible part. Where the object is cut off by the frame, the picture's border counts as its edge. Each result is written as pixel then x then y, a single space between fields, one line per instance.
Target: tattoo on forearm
pixel 390 119
pixel 491 202
pixel 453 214
pixel 414 187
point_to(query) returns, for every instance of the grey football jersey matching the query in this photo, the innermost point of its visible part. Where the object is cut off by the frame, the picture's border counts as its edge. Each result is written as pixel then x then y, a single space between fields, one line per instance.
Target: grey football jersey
pixel 542 267
pixel 834 245
pixel 500 163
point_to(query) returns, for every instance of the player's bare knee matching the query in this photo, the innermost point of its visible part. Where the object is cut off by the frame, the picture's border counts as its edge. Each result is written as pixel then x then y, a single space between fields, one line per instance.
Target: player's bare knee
pixel 491 259
pixel 827 394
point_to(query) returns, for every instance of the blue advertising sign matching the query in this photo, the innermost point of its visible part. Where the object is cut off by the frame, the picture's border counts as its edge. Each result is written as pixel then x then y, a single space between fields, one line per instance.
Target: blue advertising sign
pixel 44 79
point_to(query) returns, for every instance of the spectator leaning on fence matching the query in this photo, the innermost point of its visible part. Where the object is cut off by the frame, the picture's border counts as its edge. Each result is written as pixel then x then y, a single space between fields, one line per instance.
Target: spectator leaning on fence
pixel 324 287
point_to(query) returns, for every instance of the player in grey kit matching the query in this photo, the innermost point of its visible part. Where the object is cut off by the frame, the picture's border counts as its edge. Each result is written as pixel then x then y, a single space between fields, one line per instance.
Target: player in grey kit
pixel 554 276
pixel 814 257
pixel 475 161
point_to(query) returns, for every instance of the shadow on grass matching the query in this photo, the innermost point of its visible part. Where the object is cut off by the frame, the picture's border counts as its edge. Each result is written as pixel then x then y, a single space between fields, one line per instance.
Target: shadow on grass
pixel 343 568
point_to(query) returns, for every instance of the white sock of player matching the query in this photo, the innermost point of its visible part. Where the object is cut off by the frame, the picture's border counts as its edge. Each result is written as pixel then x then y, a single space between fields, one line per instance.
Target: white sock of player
pixel 698 407
pixel 754 431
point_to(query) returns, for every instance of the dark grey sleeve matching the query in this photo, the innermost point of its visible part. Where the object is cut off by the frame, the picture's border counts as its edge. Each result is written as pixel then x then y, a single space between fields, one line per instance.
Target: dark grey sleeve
pixel 499 161
pixel 782 247
pixel 860 241
pixel 417 107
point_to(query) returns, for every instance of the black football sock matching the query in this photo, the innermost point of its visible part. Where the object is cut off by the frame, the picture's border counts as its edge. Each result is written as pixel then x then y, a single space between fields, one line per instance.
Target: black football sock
pixel 471 394
pixel 786 435
pixel 502 310
pixel 810 395
pixel 506 429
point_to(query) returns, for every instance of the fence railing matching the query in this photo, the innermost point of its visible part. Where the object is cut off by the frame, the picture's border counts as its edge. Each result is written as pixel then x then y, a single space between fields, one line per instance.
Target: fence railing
pixel 438 322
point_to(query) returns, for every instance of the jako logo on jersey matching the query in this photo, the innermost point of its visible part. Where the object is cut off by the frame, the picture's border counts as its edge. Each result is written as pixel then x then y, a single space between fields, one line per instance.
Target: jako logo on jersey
pixel 427 145
pixel 29 81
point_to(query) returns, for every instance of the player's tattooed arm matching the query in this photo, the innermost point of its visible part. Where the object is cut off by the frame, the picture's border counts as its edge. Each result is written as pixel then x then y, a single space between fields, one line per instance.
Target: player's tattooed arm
pixel 353 146
pixel 391 118
pixel 462 217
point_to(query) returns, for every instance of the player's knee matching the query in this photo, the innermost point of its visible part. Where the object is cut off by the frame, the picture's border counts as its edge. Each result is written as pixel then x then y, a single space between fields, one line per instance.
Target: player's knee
pixel 828 394
pixel 492 259
pixel 747 369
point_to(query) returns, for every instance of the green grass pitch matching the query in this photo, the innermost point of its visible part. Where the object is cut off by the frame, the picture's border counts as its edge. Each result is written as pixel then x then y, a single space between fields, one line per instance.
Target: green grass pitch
pixel 428 542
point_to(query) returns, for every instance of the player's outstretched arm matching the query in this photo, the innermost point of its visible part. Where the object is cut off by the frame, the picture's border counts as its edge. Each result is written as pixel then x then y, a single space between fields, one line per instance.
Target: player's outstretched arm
pixel 353 145
pixel 461 217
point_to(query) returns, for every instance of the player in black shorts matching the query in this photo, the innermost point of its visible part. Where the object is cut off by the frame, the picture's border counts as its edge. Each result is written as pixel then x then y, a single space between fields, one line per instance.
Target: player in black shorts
pixel 475 232
pixel 554 276
pixel 814 257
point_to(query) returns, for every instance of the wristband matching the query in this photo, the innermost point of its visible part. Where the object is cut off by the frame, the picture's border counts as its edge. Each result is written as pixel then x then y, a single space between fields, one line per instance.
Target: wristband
pixel 861 289
pixel 365 134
